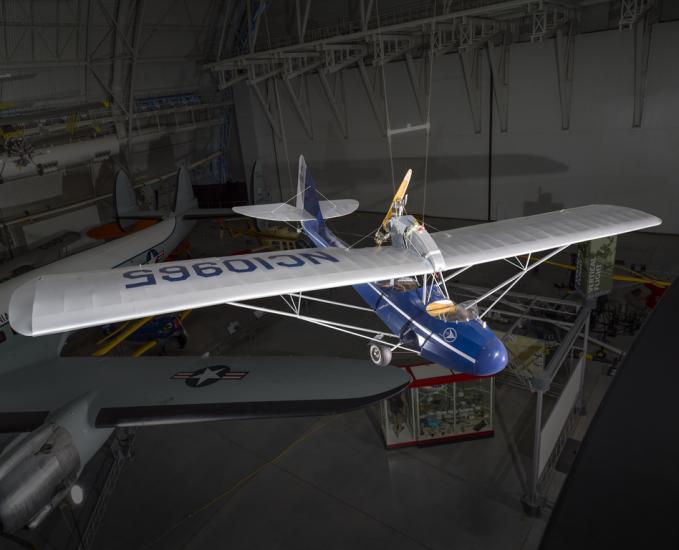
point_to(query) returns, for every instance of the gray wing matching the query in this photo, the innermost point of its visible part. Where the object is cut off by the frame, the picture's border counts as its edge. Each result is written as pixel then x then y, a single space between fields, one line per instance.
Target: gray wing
pixel 164 390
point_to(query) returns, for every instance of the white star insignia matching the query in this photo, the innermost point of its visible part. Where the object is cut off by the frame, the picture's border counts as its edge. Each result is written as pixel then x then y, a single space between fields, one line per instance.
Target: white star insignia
pixel 207 374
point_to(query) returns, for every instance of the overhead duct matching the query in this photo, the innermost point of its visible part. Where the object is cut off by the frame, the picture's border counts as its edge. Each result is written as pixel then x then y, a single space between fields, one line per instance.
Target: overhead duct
pixel 58 157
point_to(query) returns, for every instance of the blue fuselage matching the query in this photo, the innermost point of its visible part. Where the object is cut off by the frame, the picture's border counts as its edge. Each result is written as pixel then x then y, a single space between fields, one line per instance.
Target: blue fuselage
pixel 463 346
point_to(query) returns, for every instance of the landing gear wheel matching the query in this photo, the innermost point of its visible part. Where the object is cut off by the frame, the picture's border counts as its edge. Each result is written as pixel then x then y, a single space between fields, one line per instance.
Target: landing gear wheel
pixel 380 355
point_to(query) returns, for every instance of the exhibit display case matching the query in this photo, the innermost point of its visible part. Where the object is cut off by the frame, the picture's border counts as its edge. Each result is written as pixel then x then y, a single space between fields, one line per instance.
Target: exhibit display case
pixel 438 406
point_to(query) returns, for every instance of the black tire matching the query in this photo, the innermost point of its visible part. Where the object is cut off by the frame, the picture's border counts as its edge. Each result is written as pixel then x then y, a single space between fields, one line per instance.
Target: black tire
pixel 379 354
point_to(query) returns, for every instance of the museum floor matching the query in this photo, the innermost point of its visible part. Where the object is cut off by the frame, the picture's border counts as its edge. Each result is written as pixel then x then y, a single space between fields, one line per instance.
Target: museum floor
pixel 328 482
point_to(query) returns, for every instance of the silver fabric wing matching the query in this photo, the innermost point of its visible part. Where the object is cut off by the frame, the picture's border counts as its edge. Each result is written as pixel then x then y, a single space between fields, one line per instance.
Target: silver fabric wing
pixel 58 303
pixel 488 242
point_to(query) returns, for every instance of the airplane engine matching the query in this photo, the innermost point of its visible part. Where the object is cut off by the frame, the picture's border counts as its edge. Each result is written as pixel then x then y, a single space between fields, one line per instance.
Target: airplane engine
pixel 36 472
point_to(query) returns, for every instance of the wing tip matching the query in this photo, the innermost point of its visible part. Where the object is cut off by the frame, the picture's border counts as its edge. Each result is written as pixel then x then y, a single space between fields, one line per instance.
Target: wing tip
pixel 20 309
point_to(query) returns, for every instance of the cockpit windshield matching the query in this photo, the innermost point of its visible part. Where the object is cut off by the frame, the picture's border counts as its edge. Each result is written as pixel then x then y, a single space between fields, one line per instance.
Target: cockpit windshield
pixel 402 284
pixel 449 311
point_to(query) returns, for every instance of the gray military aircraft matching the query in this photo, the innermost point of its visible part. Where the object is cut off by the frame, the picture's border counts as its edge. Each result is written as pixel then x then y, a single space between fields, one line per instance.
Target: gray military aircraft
pixel 67 407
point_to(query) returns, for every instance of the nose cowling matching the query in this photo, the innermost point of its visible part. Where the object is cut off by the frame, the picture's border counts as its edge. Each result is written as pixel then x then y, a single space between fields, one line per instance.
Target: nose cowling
pixel 492 358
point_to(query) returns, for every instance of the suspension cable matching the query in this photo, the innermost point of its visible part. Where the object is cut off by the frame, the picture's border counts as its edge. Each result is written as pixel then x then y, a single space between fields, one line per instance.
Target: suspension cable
pixel 386 101
pixel 428 120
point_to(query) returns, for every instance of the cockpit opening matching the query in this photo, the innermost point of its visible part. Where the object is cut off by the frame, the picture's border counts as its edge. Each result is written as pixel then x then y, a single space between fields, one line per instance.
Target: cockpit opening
pixel 449 311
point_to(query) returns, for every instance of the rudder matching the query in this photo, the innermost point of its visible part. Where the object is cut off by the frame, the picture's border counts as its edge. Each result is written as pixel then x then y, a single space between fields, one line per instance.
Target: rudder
pixel 307 197
pixel 184 199
pixel 125 200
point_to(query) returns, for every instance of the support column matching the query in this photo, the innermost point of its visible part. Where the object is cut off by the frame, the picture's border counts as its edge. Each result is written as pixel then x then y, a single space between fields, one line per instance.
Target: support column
pixel 531 502
pixel 581 404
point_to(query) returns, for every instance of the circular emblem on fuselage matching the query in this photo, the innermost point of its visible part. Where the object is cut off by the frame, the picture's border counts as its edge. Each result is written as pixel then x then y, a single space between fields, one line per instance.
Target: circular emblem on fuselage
pixel 450 334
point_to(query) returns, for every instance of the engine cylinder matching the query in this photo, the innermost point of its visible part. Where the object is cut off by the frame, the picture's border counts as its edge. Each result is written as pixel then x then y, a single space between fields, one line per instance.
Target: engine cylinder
pixel 36 471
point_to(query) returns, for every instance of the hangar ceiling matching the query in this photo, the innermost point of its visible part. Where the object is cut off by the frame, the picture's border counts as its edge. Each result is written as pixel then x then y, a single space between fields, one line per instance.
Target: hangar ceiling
pixel 83 65
pixel 305 37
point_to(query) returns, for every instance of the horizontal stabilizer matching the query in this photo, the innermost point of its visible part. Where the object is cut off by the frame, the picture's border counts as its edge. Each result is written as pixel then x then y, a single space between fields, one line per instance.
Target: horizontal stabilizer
pixel 125 200
pixel 284 212
pixel 209 213
pixel 124 391
pixel 142 215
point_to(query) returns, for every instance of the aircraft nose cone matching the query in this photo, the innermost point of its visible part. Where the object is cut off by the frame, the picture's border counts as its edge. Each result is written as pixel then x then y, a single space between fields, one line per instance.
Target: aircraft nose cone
pixel 492 358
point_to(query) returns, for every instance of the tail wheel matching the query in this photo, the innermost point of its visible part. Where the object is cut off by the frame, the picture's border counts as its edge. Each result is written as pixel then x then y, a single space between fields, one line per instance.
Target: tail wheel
pixel 380 355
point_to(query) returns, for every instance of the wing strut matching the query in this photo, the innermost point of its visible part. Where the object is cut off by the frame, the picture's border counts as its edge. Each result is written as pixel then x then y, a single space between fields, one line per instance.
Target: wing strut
pixel 509 283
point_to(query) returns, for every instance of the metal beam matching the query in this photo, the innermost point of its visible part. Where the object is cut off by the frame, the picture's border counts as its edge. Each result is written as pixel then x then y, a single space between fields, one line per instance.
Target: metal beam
pixel 643 30
pixel 303 69
pixel 265 107
pixel 367 36
pixel 415 82
pixel 228 83
pixel 302 19
pixel 369 90
pixel 564 51
pixel 228 8
pixel 297 103
pixel 471 74
pixel 366 12
pixel 334 105
pixel 138 22
pixel 498 59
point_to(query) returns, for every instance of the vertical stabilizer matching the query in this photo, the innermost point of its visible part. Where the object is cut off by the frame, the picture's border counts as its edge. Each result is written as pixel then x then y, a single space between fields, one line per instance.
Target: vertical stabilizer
pixel 307 198
pixel 125 200
pixel 184 199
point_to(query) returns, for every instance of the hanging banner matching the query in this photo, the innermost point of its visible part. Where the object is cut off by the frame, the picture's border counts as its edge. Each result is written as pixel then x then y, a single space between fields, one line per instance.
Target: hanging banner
pixel 594 267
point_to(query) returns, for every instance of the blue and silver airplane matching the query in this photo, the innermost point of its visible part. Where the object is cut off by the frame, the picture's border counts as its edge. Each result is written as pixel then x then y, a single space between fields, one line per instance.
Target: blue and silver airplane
pixel 402 279
pixel 424 318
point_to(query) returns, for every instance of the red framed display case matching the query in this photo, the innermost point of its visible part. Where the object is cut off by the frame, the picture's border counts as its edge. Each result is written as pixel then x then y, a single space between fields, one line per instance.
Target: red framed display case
pixel 438 406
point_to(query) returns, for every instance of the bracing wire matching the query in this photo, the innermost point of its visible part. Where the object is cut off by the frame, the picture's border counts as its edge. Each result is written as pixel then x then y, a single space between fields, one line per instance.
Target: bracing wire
pixel 364 237
pixel 428 121
pixel 386 100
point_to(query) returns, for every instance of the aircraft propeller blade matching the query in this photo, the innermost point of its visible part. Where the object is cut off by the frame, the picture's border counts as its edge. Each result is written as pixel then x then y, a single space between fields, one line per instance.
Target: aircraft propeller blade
pixel 402 190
